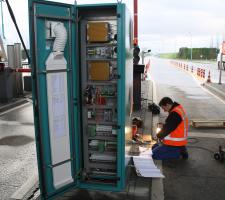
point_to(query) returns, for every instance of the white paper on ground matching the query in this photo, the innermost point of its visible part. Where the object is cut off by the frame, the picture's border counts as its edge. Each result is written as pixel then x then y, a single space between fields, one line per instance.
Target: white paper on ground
pixel 145 165
pixel 152 174
pixel 145 151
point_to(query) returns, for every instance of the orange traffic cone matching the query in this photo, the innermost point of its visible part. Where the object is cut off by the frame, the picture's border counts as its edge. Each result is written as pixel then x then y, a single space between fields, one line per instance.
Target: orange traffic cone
pixel 209 78
pixel 198 71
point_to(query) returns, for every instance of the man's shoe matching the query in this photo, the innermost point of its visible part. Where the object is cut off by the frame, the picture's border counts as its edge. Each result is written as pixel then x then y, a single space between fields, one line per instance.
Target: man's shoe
pixel 184 153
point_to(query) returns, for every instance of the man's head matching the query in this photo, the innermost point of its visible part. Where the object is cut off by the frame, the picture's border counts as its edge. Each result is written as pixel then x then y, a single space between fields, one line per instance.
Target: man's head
pixel 166 104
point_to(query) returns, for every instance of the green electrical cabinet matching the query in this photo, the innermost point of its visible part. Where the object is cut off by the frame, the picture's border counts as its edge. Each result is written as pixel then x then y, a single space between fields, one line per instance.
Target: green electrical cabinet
pixel 82 75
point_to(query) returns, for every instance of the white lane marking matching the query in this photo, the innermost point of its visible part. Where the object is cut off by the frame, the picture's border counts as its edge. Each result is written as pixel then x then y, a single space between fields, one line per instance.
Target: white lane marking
pixel 206 90
pixel 206 135
pixel 157 191
pixel 221 100
pixel 215 89
pixel 15 108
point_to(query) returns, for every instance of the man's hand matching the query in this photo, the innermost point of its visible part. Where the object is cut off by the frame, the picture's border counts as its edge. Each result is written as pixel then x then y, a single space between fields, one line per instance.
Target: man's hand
pixel 154 137
pixel 160 125
pixel 159 135
pixel 158 139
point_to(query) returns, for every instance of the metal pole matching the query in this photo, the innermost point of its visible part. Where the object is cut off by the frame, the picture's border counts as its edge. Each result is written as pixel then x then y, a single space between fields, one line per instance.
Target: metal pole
pixel 220 76
pixel 191 46
pixel 11 57
pixel 142 57
pixel 3 54
pixel 136 22
pixel 2 17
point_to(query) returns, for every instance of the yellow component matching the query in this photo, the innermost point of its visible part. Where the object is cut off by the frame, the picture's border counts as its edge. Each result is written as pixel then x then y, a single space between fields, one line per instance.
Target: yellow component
pixel 98 32
pixel 99 71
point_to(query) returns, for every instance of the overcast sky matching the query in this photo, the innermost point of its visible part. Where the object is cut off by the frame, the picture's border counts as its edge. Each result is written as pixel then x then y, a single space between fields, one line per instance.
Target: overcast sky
pixel 164 25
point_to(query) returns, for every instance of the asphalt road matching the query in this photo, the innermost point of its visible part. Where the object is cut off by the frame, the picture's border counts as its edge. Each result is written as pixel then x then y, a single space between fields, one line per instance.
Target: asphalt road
pixel 17 149
pixel 183 88
pixel 200 177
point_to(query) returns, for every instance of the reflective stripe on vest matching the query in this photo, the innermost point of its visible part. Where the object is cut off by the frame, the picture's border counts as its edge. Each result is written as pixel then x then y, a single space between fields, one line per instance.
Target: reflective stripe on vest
pixel 175 139
pixel 178 141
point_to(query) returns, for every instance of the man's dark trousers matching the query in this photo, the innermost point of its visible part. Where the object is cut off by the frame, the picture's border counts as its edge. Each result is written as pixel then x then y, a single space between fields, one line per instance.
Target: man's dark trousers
pixel 163 152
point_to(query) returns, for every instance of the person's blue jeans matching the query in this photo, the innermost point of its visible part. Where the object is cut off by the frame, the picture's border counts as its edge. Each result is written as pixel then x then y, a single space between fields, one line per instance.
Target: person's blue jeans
pixel 163 152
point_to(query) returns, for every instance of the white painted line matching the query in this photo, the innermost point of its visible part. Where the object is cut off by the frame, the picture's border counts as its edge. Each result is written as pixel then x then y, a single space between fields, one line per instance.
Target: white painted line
pixel 221 100
pixel 206 135
pixel 206 90
pixel 215 89
pixel 15 108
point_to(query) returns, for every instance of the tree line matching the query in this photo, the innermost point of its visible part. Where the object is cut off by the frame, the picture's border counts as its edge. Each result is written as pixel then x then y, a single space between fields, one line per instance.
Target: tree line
pixel 198 53
pixel 194 53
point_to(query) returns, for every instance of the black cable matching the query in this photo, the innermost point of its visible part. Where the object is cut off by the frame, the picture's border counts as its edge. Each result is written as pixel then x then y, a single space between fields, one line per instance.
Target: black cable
pixel 196 140
pixel 193 140
pixel 18 31
pixel 203 148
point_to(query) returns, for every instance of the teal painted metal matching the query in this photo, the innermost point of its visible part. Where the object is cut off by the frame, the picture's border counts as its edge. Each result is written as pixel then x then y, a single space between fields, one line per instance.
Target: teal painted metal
pixel 121 92
pixel 39 55
pixel 97 5
pixel 76 97
pixel 39 12
pixel 35 97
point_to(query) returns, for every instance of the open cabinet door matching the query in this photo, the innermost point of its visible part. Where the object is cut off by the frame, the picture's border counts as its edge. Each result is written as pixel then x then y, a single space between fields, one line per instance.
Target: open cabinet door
pixel 54 96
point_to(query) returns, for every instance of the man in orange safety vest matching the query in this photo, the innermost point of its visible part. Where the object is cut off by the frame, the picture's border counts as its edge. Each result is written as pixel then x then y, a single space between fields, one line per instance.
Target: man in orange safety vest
pixel 173 134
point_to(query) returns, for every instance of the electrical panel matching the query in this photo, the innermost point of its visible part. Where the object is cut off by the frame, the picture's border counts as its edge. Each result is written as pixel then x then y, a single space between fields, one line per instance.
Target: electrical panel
pixel 82 73
pixel 99 89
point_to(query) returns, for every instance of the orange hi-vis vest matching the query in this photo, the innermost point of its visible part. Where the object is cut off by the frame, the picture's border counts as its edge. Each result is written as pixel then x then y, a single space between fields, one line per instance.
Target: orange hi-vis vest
pixel 178 137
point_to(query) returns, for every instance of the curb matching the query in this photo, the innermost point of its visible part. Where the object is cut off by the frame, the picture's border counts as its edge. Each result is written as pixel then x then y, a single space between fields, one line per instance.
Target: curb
pixel 27 189
pixel 12 105
pixel 214 90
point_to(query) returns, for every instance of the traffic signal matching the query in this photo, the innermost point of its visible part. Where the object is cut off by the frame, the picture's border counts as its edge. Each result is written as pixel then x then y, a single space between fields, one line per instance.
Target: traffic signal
pixel 136 57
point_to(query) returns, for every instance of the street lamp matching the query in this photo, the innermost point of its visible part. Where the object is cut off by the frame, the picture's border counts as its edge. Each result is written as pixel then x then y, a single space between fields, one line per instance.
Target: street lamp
pixel 191 43
pixel 143 55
